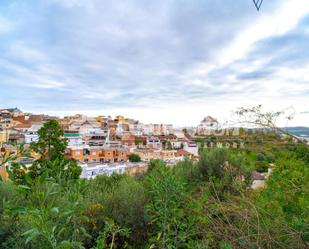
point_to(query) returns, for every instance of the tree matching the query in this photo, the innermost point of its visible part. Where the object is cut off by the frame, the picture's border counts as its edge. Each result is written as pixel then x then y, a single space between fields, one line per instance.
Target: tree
pixel 59 168
pixel 256 117
pixel 134 158
pixel 211 163
pixel 51 148
pixel 224 171
pixel 51 143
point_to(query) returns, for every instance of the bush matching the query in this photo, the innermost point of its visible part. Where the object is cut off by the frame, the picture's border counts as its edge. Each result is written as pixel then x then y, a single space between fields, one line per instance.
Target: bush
pixel 286 198
pixel 204 204
pixel 170 226
pixel 260 157
pixel 134 158
pixel 154 163
pixel 261 166
pixel 211 163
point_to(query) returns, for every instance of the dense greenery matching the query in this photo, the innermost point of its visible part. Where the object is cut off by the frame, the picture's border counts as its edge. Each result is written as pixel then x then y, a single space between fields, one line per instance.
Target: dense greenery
pixel 204 204
pixel 135 158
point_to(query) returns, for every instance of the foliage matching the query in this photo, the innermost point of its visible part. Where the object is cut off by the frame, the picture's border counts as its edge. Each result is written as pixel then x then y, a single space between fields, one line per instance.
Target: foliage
pixel 134 158
pixel 170 226
pixel 51 143
pixel 51 148
pixel 108 237
pixel 212 163
pixel 194 204
pixel 154 163
pixel 255 116
pixel 291 177
pixel 186 169
pixel 59 168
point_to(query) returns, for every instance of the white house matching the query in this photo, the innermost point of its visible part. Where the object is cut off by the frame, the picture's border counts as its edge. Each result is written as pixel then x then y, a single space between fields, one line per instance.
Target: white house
pixel 89 172
pixel 136 129
pixel 191 148
pixel 74 139
pixel 93 135
pixel 154 142
pixel 158 129
pixel 176 144
pixel 179 133
pixel 32 133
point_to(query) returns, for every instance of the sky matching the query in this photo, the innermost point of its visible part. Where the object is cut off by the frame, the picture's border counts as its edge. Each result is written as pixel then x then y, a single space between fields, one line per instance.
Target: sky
pixel 162 61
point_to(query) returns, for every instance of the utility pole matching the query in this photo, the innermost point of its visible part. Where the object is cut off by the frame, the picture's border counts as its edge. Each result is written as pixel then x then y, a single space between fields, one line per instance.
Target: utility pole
pixel 6 132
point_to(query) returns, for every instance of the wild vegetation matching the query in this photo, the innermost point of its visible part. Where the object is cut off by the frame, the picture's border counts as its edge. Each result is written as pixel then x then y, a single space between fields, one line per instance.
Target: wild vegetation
pixel 195 204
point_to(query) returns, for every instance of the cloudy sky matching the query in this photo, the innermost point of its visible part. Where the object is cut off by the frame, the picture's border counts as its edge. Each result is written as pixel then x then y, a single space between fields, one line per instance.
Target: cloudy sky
pixel 172 61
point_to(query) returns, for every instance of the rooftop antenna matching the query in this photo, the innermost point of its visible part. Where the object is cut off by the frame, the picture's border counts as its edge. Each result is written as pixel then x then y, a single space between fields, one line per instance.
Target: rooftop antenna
pixel 258 4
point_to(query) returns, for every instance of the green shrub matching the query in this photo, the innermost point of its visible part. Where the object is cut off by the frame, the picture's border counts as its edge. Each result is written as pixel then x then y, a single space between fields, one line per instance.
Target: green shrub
pixel 134 158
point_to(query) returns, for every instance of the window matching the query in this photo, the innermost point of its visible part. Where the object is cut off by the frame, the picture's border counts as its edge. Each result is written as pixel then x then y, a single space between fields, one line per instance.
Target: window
pixel 77 153
pixel 86 152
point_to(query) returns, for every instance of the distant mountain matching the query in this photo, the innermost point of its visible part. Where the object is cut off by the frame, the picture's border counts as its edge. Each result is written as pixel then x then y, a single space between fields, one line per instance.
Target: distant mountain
pixel 298 131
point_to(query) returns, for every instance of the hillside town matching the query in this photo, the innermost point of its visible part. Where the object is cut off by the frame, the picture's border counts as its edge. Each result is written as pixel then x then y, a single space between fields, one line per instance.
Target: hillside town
pixel 102 144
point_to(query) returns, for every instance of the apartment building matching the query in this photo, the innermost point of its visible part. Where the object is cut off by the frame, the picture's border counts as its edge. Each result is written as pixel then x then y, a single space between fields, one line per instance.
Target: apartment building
pixel 74 139
pixel 153 142
pixel 88 154
pixel 128 139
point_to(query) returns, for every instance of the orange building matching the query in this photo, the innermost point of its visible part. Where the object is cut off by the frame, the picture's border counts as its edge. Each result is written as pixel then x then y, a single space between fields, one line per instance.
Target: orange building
pixel 97 154
pixel 128 139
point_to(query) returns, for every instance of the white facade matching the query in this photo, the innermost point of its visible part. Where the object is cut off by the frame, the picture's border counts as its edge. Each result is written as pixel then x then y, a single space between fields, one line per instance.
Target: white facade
pixel 154 142
pixel 87 130
pixel 90 172
pixel 31 137
pixel 191 148
pixel 32 134
pixel 136 129
pixel 176 144
pixel 179 133
pixel 74 140
pixel 121 128
pixel 158 129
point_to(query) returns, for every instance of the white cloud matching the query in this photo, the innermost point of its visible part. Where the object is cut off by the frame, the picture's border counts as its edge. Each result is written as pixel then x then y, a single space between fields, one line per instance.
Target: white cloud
pixel 48 84
pixel 5 25
pixel 278 23
pixel 173 60
pixel 69 3
pixel 24 52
